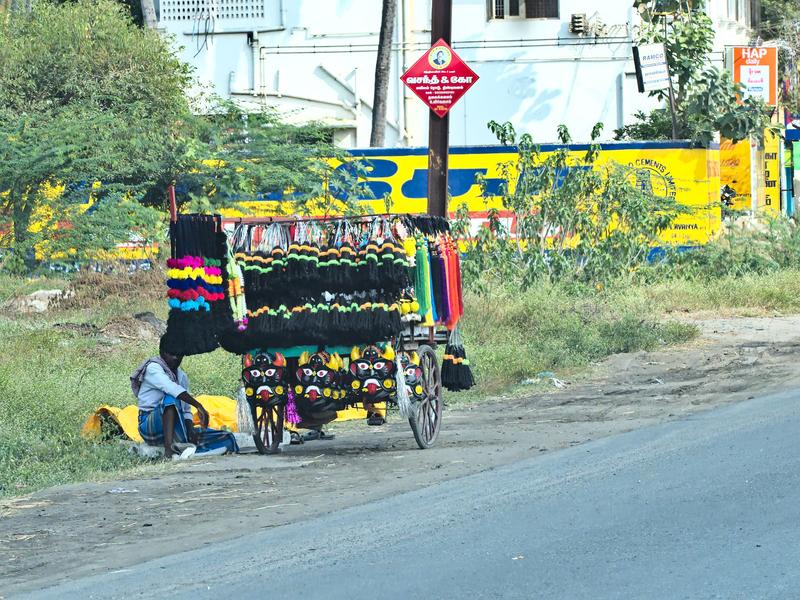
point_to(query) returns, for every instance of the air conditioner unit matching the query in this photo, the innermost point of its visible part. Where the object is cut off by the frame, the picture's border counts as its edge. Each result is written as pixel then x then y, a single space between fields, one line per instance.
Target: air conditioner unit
pixel 579 24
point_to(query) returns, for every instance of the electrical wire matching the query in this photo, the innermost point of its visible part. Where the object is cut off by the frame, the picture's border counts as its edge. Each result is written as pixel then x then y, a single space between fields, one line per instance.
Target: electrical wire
pixel 508 44
pixel 208 18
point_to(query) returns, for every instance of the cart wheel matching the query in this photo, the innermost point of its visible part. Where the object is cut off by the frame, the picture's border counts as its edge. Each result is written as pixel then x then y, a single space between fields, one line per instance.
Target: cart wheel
pixel 269 428
pixel 427 419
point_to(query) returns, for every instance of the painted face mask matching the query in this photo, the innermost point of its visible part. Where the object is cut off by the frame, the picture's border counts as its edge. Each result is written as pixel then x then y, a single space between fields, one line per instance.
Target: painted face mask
pixel 264 378
pixel 410 363
pixel 318 380
pixel 372 371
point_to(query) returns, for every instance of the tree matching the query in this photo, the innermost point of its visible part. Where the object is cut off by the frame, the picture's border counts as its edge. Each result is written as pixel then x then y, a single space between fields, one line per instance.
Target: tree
pixel 707 101
pixel 575 218
pixel 778 16
pixel 235 156
pixel 85 95
pixel 780 21
pixel 382 72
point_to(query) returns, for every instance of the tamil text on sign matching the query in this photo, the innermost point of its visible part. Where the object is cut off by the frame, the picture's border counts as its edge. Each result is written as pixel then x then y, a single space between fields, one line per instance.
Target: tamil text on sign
pixel 439 78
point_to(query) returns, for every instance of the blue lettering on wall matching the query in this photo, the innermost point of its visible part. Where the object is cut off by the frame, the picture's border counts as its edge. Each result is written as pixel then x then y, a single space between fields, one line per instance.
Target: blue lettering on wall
pixel 459 182
pixel 264 196
pixel 560 177
pixel 374 169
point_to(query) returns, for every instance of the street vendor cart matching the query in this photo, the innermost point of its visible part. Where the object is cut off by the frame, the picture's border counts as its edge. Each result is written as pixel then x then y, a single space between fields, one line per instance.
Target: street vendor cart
pixel 326 313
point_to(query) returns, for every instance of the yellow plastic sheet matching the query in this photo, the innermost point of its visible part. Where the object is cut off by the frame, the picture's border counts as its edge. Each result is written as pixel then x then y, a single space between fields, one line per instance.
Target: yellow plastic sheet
pixel 221 415
pixel 127 418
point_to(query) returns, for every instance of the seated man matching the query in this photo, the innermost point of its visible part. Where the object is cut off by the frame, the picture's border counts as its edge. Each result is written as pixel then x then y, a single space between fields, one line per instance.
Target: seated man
pixel 165 416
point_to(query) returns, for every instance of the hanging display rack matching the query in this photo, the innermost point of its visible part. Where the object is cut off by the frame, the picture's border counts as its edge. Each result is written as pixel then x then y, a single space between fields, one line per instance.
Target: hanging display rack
pixel 327 312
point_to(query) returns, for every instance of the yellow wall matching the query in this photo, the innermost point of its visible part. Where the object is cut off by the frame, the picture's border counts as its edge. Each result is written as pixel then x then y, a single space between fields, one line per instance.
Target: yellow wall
pixel 772 175
pixel 44 213
pixel 735 171
pixel 748 168
pixel 689 175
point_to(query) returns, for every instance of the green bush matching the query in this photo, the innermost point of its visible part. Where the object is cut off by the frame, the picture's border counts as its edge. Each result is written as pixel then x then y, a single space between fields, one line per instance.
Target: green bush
pixel 576 220
pixel 764 247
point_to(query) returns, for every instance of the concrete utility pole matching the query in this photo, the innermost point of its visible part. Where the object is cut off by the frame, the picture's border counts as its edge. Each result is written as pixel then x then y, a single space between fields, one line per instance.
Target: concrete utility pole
pixel 149 14
pixel 439 127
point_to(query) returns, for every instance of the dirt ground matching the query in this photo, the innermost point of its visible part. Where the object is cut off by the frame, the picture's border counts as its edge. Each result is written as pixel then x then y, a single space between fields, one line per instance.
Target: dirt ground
pixel 83 529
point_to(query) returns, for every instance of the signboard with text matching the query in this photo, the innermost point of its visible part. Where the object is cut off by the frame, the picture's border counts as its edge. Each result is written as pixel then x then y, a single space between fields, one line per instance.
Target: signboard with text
pixel 439 78
pixel 772 172
pixel 650 61
pixel 675 170
pixel 756 68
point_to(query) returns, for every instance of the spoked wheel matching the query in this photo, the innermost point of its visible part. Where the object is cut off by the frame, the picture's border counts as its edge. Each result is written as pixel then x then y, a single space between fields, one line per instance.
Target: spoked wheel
pixel 427 418
pixel 269 427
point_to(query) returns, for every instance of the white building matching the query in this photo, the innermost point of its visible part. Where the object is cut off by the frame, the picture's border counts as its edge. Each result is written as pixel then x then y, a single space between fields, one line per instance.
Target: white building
pixel 315 60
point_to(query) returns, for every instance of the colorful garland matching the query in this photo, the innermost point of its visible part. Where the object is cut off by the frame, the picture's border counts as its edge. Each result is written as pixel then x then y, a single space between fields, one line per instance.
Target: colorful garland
pixel 197 285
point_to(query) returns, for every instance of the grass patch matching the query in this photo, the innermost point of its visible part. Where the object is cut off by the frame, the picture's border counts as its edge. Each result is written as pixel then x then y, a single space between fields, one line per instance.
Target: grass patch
pixel 512 335
pixel 51 380
pixel 778 291
pixel 52 377
pixel 11 287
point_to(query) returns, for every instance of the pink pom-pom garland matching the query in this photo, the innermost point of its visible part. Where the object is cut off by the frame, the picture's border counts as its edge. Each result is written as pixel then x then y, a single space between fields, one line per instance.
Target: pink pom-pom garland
pixel 193 262
pixel 194 294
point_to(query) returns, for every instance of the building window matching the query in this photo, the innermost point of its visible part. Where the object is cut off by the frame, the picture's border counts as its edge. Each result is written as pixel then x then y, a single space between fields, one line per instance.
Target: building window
pixel 743 12
pixel 755 14
pixel 526 9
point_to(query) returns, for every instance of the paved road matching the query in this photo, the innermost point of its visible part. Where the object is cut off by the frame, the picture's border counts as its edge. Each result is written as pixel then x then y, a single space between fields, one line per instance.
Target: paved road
pixel 705 507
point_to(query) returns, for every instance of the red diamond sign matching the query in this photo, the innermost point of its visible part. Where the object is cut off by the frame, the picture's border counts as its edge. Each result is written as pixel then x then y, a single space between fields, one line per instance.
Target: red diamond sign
pixel 440 78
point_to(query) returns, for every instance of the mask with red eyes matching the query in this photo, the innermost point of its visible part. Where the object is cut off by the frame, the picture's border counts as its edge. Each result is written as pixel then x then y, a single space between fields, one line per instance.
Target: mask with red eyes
pixel 318 381
pixel 372 373
pixel 264 378
pixel 412 370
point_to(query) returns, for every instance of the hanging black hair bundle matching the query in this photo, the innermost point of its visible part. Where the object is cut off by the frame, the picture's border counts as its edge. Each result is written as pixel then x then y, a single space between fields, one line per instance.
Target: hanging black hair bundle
pixel 429 225
pixel 456 373
pixel 189 333
pixel 195 235
pixel 346 321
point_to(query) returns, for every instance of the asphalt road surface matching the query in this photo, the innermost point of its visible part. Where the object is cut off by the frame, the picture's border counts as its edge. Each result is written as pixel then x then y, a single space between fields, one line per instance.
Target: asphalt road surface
pixel 704 507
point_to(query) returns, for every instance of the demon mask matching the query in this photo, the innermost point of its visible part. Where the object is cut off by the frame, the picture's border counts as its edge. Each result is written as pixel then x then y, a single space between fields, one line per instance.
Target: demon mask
pixel 319 378
pixel 264 378
pixel 372 371
pixel 412 371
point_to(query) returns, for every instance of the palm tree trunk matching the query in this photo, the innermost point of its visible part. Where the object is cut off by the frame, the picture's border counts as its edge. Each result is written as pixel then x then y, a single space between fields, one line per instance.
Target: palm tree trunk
pixel 382 68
